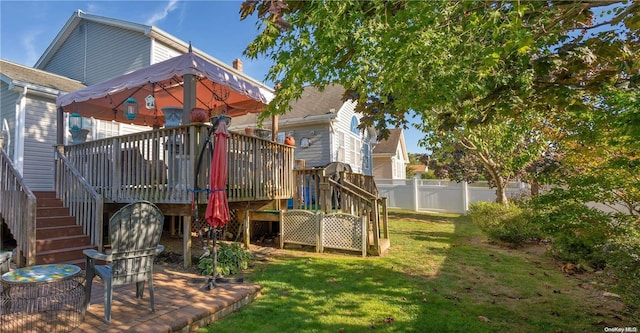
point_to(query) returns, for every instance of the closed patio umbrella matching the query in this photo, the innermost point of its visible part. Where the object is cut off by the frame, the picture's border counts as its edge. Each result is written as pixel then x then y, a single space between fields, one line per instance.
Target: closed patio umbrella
pixel 217 213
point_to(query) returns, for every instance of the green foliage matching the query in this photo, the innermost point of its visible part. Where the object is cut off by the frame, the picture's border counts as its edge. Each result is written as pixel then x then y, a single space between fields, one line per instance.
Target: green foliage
pixel 624 250
pixel 232 258
pixel 503 81
pixel 505 224
pixel 578 233
pixel 410 173
pixel 429 174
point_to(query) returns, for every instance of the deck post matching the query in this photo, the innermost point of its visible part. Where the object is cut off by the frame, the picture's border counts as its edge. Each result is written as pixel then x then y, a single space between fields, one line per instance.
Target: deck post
pixel 247 232
pixel 186 236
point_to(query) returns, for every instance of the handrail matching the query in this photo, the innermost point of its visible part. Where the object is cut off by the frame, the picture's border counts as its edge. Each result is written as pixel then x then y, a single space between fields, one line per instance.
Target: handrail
pixel 18 209
pixel 351 190
pixel 84 202
pixel 159 166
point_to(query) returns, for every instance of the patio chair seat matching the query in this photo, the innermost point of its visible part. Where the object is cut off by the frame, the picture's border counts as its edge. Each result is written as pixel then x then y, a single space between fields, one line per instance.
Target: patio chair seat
pixel 135 232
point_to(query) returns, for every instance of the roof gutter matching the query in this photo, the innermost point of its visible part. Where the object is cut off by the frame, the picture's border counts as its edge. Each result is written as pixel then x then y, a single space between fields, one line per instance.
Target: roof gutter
pixel 308 120
pixel 34 89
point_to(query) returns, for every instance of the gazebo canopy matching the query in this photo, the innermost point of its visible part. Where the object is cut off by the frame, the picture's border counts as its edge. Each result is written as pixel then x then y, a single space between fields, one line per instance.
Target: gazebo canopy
pixel 216 88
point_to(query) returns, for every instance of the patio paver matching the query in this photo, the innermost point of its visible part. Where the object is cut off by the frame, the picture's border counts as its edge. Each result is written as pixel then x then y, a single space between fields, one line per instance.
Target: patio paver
pixel 182 304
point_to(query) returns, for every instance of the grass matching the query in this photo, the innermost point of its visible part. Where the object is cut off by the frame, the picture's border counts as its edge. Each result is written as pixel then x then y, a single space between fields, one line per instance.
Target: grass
pixel 439 275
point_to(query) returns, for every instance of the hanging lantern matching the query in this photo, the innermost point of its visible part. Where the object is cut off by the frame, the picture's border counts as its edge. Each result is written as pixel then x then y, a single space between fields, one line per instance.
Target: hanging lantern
pixel 75 122
pixel 150 102
pixel 130 108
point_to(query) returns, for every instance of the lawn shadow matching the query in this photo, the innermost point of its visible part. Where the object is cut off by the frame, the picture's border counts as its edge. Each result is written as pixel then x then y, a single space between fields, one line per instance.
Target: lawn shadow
pixel 437 276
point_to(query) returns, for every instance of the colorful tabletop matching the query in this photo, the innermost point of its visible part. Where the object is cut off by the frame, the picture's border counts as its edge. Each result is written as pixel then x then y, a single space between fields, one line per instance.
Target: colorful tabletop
pixel 41 273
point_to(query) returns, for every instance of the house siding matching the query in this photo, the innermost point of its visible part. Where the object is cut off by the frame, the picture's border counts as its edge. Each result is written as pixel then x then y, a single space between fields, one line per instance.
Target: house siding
pixel 382 168
pixel 8 113
pixel 162 52
pixel 39 136
pixel 352 144
pixel 109 52
pixel 318 154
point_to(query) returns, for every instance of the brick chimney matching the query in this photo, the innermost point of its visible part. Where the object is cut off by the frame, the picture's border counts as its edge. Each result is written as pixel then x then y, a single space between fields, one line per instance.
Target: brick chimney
pixel 237 64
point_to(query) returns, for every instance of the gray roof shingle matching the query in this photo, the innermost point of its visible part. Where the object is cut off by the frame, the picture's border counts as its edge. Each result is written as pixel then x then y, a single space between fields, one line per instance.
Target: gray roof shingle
pixel 312 102
pixel 389 145
pixel 38 77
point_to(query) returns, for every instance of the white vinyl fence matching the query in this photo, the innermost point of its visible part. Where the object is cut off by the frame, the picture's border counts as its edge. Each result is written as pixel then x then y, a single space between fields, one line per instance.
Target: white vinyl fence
pixel 440 195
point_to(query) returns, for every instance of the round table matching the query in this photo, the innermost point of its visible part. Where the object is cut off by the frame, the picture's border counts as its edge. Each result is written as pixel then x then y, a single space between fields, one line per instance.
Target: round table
pixel 44 298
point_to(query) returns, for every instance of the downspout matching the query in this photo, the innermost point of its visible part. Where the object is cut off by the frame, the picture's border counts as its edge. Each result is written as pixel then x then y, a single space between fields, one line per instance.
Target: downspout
pixel 18 149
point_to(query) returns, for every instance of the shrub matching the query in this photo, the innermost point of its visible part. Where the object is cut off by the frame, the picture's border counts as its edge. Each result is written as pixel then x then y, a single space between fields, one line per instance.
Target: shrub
pixel 505 224
pixel 623 251
pixel 578 233
pixel 232 258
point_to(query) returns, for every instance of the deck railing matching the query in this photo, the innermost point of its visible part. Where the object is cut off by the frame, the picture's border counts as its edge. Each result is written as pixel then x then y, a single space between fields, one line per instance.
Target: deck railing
pixel 18 210
pixel 350 193
pixel 159 166
pixel 84 203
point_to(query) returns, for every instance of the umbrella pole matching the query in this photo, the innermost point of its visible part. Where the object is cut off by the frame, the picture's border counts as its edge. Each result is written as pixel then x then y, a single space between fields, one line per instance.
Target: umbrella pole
pixel 211 283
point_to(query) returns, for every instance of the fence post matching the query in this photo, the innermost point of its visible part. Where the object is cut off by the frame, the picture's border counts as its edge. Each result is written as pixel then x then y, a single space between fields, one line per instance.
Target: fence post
pixel 465 197
pixel 416 198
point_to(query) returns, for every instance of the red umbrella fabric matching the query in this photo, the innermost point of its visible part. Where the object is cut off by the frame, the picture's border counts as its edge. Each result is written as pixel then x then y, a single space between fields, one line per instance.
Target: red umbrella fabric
pixel 217 214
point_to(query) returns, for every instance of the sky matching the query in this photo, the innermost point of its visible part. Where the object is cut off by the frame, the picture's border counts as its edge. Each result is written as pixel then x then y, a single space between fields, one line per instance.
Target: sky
pixel 28 27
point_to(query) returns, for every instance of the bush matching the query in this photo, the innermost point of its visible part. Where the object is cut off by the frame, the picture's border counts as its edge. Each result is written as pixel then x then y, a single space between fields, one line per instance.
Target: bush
pixel 505 224
pixel 232 258
pixel 623 251
pixel 578 233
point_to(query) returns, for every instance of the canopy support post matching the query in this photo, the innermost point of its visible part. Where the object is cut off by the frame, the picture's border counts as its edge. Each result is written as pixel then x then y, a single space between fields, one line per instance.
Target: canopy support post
pixel 59 126
pixel 189 98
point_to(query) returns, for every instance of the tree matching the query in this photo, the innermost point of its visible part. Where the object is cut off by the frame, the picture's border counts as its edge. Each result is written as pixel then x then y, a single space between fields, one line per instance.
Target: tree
pixel 417 158
pixel 500 77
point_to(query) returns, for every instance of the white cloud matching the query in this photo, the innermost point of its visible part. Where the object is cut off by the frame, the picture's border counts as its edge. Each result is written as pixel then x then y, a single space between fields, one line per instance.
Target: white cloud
pixel 162 13
pixel 28 41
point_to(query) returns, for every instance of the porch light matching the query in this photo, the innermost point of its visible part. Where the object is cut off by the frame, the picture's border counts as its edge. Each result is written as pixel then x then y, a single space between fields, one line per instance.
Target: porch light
pixel 75 122
pixel 130 108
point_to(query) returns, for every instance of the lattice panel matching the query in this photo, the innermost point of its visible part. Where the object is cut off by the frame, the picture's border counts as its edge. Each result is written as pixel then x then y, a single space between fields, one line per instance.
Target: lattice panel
pixel 233 226
pixel 300 227
pixel 344 231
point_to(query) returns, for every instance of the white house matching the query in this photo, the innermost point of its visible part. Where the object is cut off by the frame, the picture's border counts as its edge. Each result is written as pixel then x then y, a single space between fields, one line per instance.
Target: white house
pixel 88 49
pixel 325 129
pixel 390 156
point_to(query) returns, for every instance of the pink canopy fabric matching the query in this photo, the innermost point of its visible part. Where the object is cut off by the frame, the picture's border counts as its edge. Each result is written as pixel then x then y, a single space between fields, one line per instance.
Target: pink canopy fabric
pixel 164 80
pixel 217 213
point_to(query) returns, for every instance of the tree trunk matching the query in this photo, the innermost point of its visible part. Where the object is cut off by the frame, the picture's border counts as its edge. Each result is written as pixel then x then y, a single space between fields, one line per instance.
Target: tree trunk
pixel 501 191
pixel 535 188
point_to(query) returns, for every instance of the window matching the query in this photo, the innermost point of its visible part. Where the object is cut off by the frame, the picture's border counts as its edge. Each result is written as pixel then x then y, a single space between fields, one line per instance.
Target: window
pixel 354 125
pixel 106 129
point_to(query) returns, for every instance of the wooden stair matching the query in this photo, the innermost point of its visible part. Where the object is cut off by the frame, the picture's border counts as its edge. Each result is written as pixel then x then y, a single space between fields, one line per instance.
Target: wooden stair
pixel 58 238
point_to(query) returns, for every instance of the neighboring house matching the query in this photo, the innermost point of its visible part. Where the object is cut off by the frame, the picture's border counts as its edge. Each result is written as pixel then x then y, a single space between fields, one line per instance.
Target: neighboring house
pixel 325 129
pixel 418 170
pixel 390 157
pixel 89 49
pixel 28 119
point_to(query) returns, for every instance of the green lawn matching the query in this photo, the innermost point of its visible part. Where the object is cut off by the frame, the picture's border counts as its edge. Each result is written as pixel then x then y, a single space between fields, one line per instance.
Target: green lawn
pixel 440 275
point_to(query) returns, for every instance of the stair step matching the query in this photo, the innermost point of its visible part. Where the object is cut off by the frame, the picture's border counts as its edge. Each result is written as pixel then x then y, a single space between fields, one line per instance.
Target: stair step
pixel 49 202
pixel 61 255
pixel 52 211
pixel 55 221
pixel 62 242
pixel 56 232
pixel 45 194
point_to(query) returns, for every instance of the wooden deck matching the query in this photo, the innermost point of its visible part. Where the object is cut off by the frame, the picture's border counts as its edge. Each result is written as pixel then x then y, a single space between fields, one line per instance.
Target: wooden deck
pixel 161 166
